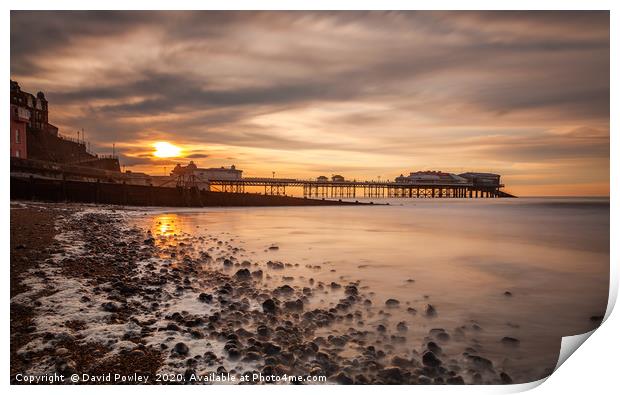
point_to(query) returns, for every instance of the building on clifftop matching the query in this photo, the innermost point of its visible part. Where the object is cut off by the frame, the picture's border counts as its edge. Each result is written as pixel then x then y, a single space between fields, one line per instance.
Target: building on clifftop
pixel 33 137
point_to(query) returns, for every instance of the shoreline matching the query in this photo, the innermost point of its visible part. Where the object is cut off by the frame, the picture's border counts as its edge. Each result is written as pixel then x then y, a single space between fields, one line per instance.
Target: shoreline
pixel 125 301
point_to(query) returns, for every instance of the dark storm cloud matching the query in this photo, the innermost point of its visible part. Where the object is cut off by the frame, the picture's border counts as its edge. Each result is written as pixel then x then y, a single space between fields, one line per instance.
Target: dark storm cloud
pixel 193 96
pixel 36 34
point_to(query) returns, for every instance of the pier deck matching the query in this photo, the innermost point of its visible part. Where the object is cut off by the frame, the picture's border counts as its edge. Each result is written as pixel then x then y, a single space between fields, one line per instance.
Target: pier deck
pixel 352 189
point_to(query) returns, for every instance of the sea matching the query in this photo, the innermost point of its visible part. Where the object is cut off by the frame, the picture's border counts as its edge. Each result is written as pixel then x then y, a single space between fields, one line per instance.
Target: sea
pixel 530 269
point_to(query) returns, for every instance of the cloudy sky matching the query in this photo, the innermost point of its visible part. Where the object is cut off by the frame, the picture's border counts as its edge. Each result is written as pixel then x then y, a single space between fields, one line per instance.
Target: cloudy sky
pixel 523 94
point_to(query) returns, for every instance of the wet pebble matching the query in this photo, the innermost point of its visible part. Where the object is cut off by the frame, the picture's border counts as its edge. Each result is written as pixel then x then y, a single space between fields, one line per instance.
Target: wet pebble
pixel 271 348
pixel 263 331
pixel 62 351
pixel 429 359
pixel 343 379
pixel 506 379
pixel 456 380
pixel 181 348
pixel 252 356
pixel 434 347
pixel 205 297
pixel 480 362
pixel 391 375
pixel 430 311
pixel 400 361
pixel 294 305
pixel 510 341
pixel 269 306
pixel 440 334
pixel 233 354
pixel 351 290
pixel 243 274
pixel 338 341
pixel 66 367
pixel 111 307
pixel 284 290
pixel 392 303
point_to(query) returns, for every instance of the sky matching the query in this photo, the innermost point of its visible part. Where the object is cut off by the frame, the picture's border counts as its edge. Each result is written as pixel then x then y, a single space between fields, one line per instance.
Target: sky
pixel 303 94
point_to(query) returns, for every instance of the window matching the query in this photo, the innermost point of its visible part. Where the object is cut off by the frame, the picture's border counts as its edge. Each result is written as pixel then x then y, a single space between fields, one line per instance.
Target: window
pixel 17 153
pixel 17 139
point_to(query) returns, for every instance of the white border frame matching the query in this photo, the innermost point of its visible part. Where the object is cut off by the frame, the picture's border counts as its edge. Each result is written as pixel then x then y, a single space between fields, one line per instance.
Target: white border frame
pixel 592 369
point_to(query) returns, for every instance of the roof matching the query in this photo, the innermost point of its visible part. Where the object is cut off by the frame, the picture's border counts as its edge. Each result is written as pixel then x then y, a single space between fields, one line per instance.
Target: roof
pixel 471 173
pixel 227 169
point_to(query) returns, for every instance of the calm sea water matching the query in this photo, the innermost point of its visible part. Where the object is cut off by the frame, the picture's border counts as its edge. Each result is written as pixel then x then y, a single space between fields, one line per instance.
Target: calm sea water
pixel 552 254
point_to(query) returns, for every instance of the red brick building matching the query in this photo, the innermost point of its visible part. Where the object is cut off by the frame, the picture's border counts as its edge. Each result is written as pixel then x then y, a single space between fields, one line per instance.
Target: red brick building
pixel 19 120
pixel 29 114
pixel 36 106
pixel 33 137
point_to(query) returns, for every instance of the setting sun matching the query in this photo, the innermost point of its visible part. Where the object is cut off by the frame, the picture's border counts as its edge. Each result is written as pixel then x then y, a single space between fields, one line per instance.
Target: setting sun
pixel 163 149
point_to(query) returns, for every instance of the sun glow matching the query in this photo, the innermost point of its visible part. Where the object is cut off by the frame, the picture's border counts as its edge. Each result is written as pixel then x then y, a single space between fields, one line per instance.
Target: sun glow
pixel 164 149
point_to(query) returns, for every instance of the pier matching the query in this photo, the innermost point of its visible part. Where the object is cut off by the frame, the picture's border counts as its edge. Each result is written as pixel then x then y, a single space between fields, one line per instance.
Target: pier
pixel 368 189
pixel 464 188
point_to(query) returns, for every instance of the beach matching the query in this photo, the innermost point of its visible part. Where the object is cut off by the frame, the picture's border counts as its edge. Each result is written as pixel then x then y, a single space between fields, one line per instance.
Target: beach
pixel 457 292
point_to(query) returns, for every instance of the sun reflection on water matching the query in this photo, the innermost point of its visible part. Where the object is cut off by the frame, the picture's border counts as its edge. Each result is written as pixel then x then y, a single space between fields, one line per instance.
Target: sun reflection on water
pixel 165 225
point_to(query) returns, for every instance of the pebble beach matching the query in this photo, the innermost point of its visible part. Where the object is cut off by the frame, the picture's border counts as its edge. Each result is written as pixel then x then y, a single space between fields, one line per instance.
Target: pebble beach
pixel 111 299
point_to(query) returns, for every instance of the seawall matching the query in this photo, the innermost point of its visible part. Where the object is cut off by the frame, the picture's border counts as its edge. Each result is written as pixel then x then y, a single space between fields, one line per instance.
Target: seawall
pixel 53 190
